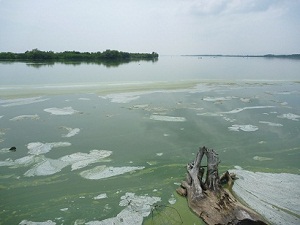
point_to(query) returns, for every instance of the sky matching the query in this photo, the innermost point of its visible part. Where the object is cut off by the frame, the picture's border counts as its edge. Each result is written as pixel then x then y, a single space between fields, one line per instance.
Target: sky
pixel 168 27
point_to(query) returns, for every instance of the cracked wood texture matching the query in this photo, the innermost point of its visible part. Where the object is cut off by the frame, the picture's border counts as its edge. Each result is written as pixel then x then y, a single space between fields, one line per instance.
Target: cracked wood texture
pixel 207 197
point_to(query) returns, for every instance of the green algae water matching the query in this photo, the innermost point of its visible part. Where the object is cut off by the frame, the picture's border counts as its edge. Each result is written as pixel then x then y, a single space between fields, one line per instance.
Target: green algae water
pixel 97 145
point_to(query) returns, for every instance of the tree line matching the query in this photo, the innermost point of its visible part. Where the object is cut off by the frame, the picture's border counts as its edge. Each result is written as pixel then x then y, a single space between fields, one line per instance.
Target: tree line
pixel 108 55
pixel 291 56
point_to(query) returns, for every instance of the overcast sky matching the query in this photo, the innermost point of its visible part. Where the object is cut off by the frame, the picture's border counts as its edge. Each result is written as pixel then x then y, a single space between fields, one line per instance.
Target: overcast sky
pixel 164 26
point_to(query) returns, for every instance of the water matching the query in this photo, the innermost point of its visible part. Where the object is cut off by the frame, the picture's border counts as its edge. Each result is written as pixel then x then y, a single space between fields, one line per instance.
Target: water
pixel 126 133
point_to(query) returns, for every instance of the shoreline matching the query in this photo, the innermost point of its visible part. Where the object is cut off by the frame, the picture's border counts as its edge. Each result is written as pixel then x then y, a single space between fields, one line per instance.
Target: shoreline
pixel 268 56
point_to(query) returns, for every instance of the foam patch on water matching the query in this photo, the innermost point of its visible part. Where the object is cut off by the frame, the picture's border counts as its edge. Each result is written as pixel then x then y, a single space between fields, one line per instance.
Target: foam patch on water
pixel 22 117
pixel 260 158
pixel 229 119
pixel 27 222
pixel 61 111
pixel 4 150
pixel 246 100
pixel 136 208
pixel 172 200
pixel 151 163
pixel 275 196
pixel 217 99
pixel 2 133
pixel 101 172
pixel 80 160
pixel 123 97
pixel 271 124
pixel 46 167
pixel 7 162
pixel 21 101
pixel 101 196
pixel 247 128
pixel 237 110
pixel 209 114
pixel 21 162
pixel 84 99
pixel 144 106
pixel 290 116
pixel 37 148
pixel 167 118
pixel 71 131
pixel 76 161
pixel 131 96
pixel 284 92
pixel 200 88
pixel 27 160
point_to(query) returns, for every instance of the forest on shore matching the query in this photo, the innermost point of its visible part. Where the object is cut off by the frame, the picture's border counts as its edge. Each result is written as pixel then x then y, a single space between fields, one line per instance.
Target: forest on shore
pixel 37 55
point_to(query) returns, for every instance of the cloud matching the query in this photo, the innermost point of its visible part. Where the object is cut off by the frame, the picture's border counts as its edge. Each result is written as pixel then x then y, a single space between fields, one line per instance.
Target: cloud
pixel 167 27
pixel 225 7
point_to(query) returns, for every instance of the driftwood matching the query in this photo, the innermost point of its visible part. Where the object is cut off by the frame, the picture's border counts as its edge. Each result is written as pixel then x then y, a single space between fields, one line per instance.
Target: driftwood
pixel 208 198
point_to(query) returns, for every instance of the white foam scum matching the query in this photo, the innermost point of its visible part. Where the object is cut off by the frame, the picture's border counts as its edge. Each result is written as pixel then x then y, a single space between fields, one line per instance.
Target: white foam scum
pixel 217 99
pixel 237 110
pixel 172 200
pixel 44 166
pixel 61 111
pixel 247 128
pixel 131 96
pixel 101 196
pixel 271 124
pixel 84 99
pixel 123 97
pixel 101 172
pixel 136 208
pixel 21 101
pixel 64 209
pixel 290 116
pixel 275 196
pixel 27 222
pixel 37 148
pixel 80 160
pixel 167 118
pixel 71 131
pixel 22 117
pixel 4 150
pixel 76 161
pixel 261 158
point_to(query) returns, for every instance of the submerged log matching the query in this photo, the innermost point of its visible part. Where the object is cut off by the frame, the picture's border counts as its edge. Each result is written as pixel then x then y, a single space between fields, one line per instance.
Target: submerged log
pixel 208 198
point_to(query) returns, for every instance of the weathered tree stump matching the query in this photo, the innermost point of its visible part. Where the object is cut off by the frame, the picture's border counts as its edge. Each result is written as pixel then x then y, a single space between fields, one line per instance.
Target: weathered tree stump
pixel 207 197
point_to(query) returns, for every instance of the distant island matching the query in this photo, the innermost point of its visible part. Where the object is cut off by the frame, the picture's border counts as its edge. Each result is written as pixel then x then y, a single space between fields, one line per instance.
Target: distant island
pixel 292 56
pixel 37 55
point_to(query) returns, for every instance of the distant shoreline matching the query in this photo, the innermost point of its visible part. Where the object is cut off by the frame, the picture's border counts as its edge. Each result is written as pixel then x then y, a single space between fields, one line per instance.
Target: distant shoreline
pixel 37 56
pixel 291 56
